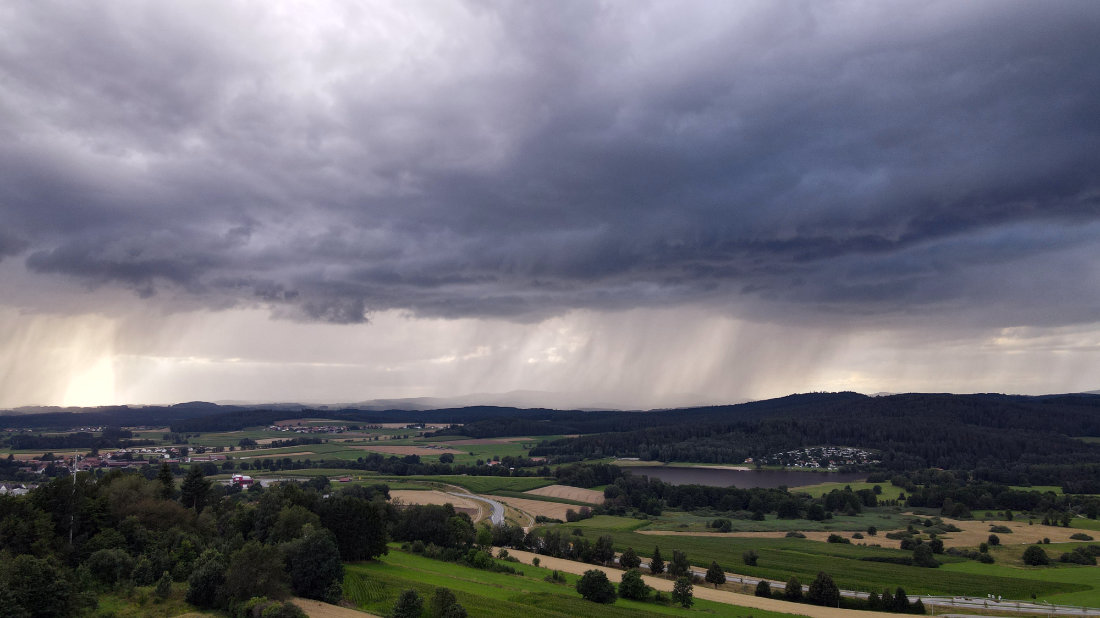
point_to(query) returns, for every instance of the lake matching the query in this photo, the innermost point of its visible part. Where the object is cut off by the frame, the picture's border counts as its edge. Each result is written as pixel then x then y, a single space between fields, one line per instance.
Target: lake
pixel 716 477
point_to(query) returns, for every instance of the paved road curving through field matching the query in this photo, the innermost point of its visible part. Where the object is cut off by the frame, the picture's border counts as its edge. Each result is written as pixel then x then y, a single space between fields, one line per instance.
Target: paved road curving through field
pixel 498 509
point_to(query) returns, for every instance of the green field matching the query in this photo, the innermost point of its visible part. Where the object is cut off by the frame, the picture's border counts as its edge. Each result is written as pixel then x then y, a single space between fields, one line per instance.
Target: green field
pixel 677 521
pixel 375 586
pixel 1087 578
pixel 486 484
pixel 889 492
pixel 781 558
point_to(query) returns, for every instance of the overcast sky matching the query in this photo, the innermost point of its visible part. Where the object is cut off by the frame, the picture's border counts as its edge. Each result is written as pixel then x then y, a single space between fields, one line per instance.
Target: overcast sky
pixel 638 203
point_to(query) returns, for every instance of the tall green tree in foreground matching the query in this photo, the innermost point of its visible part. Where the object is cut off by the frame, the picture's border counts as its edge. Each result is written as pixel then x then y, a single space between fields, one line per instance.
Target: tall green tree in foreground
pixel 656 565
pixel 683 592
pixel 715 574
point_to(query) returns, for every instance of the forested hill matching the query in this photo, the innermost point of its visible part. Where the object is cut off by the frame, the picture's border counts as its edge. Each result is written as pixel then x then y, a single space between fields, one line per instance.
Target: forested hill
pixel 995 433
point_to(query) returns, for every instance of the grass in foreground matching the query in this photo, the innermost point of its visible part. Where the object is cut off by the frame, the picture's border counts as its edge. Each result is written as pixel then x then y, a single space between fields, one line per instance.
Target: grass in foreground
pixel 141 602
pixel 375 586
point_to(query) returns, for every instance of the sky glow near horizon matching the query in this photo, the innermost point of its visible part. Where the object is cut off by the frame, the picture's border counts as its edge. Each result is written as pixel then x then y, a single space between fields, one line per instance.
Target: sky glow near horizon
pixel 641 204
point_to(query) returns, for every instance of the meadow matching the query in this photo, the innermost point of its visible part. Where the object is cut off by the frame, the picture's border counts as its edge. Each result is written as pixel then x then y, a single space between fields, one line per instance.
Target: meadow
pixel 375 586
pixel 779 558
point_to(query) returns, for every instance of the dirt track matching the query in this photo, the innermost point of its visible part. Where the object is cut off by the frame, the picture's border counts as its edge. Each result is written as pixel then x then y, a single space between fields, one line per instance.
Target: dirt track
pixel 702 591
pixel 317 609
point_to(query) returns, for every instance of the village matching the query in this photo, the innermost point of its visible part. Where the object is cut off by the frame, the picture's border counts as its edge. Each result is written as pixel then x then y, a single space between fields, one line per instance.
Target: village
pixel 823 457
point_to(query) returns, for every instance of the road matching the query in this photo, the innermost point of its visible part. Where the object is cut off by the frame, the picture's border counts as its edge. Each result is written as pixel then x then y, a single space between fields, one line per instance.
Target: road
pixel 498 509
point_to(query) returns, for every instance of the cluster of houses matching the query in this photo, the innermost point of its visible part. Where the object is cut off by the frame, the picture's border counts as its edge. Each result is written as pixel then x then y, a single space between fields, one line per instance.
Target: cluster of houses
pixel 827 457
pixel 13 489
pixel 309 428
pixel 121 458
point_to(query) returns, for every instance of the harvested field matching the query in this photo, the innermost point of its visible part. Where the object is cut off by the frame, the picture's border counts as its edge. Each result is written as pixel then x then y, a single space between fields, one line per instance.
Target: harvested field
pixel 261 455
pixel 554 510
pixel 473 508
pixel 976 532
pixel 408 450
pixel 569 493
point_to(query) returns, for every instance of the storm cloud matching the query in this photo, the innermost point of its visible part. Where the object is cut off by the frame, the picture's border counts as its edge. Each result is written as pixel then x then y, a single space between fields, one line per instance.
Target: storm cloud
pixel 819 162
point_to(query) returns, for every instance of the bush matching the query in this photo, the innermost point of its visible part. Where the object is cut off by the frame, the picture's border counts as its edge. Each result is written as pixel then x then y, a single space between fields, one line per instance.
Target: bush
pixel 750 557
pixel 763 589
pixel 164 586
pixel 994 540
pixel 630 559
pixel 985 559
pixel 836 538
pixel 1035 556
pixel 1080 536
pixel 1000 529
pixel 555 577
pixel 409 605
pixel 922 557
pixel 633 587
pixel 793 590
pixel 441 601
pixel 795 535
pixel 823 591
pixel 594 586
pixel 1080 555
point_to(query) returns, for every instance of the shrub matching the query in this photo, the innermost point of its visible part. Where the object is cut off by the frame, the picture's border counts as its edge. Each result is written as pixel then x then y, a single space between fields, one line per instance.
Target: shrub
pixel 409 605
pixel 633 587
pixel 441 601
pixel 164 586
pixel 630 559
pixel 1080 536
pixel 750 557
pixel 793 590
pixel 594 586
pixel 922 557
pixel 994 540
pixel 836 538
pixel 823 591
pixel 1000 529
pixel 763 589
pixel 795 535
pixel 1035 556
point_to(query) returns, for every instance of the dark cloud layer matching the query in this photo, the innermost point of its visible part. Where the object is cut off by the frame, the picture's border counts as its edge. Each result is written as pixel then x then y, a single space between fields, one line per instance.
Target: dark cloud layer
pixel 519 160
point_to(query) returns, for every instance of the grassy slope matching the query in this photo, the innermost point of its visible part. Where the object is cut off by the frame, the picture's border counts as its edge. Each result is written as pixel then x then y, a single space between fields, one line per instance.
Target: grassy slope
pixel 374 586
